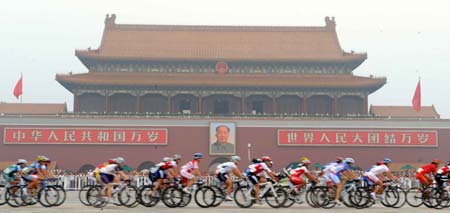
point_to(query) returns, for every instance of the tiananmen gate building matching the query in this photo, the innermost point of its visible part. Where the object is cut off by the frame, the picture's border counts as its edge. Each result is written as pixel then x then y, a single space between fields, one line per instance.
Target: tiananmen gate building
pixel 152 91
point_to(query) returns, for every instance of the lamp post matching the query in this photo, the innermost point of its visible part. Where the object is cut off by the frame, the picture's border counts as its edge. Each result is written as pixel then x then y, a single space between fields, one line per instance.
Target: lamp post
pixel 249 146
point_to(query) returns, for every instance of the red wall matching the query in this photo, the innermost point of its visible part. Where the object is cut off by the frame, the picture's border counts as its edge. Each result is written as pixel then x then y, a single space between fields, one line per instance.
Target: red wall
pixel 188 140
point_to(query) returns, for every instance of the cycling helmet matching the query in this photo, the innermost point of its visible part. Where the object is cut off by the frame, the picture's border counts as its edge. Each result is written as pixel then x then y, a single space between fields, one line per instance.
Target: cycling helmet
pixel 379 163
pixel 255 160
pixel 436 161
pixel 20 161
pixel 40 158
pixel 119 160
pixel 176 157
pixel 339 159
pixel 198 155
pixel 387 160
pixel 45 159
pixel 303 158
pixel 349 160
pixel 306 161
pixel 266 158
pixel 166 159
pixel 235 158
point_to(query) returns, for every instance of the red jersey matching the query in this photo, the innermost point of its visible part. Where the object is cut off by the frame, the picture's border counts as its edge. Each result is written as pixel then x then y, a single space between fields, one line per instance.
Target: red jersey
pixel 427 169
pixel 444 170
pixel 298 171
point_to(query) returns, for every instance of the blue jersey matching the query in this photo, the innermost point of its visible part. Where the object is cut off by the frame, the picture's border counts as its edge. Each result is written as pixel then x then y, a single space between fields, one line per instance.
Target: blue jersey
pixel 12 170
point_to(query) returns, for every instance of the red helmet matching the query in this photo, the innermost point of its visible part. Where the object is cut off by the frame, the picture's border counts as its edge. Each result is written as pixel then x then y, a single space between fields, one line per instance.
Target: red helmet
pixel 436 161
pixel 266 158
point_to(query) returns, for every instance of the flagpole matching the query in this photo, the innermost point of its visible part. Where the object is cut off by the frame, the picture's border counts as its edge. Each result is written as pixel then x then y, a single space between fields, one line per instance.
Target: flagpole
pixel 21 95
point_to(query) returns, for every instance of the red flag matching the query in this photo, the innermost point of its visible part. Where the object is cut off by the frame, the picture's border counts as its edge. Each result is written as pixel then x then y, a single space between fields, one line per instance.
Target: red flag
pixel 18 88
pixel 416 101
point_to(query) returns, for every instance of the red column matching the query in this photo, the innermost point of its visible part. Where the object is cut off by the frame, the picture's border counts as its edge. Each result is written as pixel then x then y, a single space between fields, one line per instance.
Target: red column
pixel 365 105
pixel 274 105
pixel 200 104
pixel 76 103
pixel 169 104
pixel 305 105
pixel 138 103
pixel 243 106
pixel 106 102
pixel 334 105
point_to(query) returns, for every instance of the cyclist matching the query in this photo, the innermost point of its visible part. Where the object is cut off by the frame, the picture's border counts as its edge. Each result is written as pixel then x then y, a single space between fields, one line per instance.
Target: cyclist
pixel 111 174
pixel 295 178
pixel 443 175
pixel 255 174
pixel 190 171
pixel 96 172
pixel 338 174
pixel 13 173
pixel 161 171
pixel 38 172
pixel 375 176
pixel 429 169
pixel 224 169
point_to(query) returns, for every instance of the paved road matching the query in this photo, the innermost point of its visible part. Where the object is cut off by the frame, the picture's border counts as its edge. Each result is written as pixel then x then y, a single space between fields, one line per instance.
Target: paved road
pixel 73 205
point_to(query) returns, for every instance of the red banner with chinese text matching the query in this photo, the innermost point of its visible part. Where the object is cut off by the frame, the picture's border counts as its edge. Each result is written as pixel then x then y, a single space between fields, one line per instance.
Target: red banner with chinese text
pixel 110 136
pixel 404 138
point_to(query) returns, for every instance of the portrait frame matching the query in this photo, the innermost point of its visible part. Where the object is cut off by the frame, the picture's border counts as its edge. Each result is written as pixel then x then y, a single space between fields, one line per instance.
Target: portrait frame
pixel 214 147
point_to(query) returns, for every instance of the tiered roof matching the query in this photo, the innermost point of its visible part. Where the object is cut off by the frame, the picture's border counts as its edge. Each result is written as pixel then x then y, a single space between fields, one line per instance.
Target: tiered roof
pixel 32 108
pixel 223 43
pixel 404 112
pixel 215 80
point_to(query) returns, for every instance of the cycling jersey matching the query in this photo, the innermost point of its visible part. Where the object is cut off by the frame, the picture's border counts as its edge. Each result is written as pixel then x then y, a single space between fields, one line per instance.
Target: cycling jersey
pixel 295 176
pixel 12 170
pixel 444 170
pixel 371 176
pixel 226 167
pixel 110 169
pixel 166 165
pixel 258 168
pixel 190 166
pixel 187 170
pixel 427 169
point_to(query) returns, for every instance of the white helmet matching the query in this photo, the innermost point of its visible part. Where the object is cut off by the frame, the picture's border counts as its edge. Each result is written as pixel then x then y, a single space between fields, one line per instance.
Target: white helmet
pixel 235 158
pixel 166 159
pixel 176 157
pixel 119 160
pixel 20 161
pixel 349 160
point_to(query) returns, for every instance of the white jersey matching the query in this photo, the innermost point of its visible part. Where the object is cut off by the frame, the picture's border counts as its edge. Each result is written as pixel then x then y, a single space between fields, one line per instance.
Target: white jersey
pixel 110 169
pixel 226 167
pixel 329 166
pixel 377 170
pixel 258 168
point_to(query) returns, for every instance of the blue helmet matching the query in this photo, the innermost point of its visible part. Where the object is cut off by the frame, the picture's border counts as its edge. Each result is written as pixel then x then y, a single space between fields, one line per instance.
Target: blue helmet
pixel 387 160
pixel 198 155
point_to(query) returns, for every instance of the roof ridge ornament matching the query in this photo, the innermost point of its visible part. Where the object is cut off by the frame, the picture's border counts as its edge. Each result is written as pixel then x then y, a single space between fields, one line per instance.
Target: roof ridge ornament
pixel 330 23
pixel 110 20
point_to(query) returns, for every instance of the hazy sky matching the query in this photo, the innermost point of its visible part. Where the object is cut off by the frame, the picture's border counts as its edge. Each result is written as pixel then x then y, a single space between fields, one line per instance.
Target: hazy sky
pixel 403 39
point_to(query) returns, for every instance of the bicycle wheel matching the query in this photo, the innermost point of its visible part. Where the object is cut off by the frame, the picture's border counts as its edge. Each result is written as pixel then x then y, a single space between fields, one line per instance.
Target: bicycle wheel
pixel 128 196
pixel 2 194
pixel 391 197
pixel 185 199
pixel 243 197
pixel 48 196
pixel 360 198
pixel 291 199
pixel 276 198
pixel 402 198
pixel 220 196
pixel 205 197
pixel 309 197
pixel 13 196
pixel 62 195
pixel 95 197
pixel 432 199
pixel 146 198
pixel 82 195
pixel 171 197
pixel 414 197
